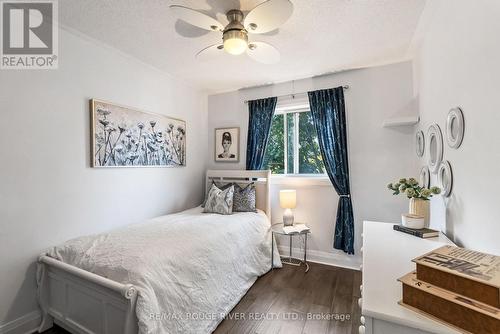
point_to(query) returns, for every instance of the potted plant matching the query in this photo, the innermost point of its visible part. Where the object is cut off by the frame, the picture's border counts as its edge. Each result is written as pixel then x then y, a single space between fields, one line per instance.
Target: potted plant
pixel 419 196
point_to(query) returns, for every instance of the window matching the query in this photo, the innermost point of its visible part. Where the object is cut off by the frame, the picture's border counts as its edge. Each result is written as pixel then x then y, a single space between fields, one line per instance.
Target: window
pixel 293 146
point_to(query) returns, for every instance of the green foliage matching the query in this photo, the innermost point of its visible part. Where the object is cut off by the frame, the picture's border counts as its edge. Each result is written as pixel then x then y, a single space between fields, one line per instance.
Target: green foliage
pixel 412 189
pixel 310 159
pixel 290 123
pixel 274 158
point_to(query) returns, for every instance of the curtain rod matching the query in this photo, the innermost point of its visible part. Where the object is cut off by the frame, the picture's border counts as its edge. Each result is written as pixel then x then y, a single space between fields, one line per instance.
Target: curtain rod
pixel 293 95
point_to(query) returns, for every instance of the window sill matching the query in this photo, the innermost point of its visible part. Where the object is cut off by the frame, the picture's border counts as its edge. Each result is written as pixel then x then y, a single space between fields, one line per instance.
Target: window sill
pixel 299 180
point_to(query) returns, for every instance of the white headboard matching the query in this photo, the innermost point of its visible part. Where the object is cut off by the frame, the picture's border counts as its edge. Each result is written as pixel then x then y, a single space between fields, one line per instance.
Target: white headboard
pixel 261 179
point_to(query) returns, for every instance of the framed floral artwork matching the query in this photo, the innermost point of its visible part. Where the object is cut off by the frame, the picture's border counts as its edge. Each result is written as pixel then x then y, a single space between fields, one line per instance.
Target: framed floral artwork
pixel 125 137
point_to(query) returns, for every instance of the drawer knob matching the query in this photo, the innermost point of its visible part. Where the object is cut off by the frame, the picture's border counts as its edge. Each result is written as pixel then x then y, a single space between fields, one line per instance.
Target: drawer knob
pixel 361 288
pixel 360 302
pixel 362 329
pixel 361 267
pixel 362 320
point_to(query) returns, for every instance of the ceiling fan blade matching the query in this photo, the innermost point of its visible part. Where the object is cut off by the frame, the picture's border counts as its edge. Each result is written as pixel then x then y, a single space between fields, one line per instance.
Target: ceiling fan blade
pixel 222 18
pixel 263 52
pixel 268 16
pixel 196 18
pixel 210 52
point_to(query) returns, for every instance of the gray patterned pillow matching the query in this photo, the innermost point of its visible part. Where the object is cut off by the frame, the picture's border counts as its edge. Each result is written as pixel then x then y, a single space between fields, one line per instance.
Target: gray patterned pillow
pixel 219 201
pixel 220 185
pixel 244 198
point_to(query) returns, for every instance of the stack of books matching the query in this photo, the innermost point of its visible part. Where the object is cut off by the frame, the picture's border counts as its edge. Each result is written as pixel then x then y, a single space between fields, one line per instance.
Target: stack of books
pixel 421 232
pixel 456 286
pixel 297 228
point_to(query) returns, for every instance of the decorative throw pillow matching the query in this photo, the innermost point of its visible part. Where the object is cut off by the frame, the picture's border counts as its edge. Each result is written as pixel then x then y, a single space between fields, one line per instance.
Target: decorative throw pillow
pixel 244 198
pixel 220 185
pixel 219 201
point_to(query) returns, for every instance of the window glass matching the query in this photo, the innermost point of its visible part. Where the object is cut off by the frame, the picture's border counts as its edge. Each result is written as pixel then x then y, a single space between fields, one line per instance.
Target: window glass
pixel 293 146
pixel 310 160
pixel 274 158
pixel 290 124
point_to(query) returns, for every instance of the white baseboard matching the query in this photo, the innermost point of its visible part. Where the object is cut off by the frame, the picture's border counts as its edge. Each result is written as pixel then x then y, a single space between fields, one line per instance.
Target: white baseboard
pixel 26 324
pixel 336 258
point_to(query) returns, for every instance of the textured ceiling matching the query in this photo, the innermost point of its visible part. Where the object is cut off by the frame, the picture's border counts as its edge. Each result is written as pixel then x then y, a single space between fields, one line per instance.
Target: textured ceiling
pixel 321 36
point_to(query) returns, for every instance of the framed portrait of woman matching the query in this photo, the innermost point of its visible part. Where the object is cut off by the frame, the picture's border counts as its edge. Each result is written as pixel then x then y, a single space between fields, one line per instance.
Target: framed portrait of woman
pixel 227 144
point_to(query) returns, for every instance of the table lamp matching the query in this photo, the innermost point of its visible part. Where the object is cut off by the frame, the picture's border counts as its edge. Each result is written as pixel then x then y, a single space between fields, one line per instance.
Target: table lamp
pixel 288 201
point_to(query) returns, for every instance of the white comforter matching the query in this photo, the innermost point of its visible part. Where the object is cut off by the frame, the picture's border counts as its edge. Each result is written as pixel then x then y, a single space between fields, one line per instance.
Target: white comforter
pixel 190 268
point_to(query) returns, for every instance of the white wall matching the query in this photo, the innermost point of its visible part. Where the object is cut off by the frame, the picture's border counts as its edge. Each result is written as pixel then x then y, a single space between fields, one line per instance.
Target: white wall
pixel 377 155
pixel 457 64
pixel 48 192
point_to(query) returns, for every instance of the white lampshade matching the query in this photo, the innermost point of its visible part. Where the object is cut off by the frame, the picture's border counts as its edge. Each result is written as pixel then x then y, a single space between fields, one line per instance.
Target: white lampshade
pixel 288 199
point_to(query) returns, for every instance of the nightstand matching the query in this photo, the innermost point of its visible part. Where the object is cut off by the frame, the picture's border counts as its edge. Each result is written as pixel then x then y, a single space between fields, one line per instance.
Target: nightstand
pixel 290 260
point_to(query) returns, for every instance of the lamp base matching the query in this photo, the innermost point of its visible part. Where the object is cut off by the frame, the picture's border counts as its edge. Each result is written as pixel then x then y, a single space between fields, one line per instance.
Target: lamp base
pixel 288 217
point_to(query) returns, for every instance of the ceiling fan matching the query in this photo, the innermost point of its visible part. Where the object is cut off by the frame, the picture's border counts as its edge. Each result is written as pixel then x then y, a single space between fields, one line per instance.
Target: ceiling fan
pixel 264 18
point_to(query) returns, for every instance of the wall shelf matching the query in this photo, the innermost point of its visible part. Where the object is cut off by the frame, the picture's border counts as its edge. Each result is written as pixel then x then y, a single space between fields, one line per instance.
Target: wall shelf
pixel 400 121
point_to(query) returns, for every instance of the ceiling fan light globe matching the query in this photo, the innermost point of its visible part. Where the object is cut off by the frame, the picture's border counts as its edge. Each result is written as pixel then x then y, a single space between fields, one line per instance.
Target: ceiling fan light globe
pixel 235 42
pixel 235 46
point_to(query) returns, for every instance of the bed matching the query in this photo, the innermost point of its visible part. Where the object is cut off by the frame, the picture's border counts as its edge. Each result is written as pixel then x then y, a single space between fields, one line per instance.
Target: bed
pixel 179 273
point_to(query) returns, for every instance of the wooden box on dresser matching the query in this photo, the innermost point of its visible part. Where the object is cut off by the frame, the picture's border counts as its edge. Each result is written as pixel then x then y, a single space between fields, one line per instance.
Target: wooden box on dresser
pixel 387 255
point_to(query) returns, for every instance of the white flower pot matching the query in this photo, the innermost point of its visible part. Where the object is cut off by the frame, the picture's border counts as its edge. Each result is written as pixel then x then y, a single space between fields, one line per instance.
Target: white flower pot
pixel 420 207
pixel 412 221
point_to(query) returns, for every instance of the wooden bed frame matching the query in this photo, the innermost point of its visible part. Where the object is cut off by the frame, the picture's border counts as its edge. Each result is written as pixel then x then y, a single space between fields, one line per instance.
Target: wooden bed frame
pixel 85 303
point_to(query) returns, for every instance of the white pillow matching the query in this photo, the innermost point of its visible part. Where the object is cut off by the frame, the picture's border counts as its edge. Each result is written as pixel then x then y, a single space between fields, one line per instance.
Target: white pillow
pixel 220 185
pixel 219 201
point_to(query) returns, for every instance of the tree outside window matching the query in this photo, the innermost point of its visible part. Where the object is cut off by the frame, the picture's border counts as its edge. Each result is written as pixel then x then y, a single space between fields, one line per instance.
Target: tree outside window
pixel 295 134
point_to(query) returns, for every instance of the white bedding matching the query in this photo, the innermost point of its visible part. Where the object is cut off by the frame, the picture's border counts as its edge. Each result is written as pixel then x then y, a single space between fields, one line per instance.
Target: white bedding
pixel 190 268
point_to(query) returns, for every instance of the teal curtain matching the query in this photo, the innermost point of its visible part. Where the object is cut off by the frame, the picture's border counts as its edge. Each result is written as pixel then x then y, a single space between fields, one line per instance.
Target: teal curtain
pixel 259 125
pixel 328 110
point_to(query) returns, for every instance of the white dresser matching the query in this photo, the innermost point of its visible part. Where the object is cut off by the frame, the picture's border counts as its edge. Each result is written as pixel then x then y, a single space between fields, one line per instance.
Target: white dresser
pixel 387 255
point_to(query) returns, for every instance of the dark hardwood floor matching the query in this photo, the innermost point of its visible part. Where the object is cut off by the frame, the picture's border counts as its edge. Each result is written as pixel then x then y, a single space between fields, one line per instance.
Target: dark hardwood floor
pixel 307 299
pixel 290 301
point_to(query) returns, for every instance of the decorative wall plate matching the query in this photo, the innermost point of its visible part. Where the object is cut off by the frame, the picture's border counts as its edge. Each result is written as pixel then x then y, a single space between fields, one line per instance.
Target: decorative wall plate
pixel 435 139
pixel 445 178
pixel 455 127
pixel 420 143
pixel 425 177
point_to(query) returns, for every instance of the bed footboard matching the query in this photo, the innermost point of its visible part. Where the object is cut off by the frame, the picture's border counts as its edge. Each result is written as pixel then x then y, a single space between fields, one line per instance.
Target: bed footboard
pixel 83 302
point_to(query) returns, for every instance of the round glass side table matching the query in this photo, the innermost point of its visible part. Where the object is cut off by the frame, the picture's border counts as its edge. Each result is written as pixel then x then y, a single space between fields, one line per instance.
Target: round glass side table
pixel 277 229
